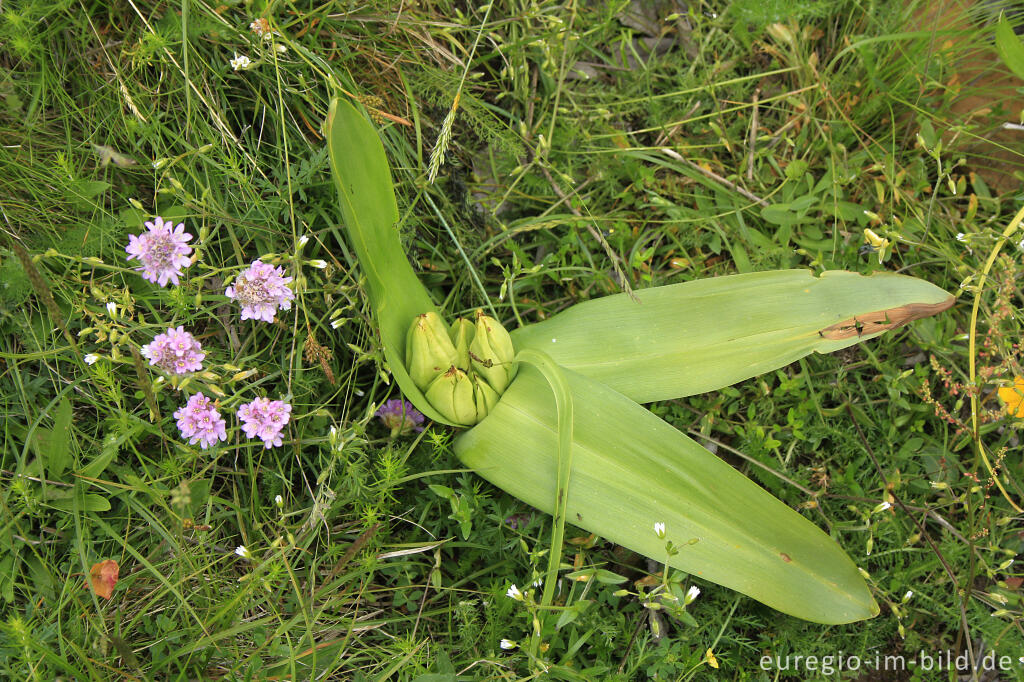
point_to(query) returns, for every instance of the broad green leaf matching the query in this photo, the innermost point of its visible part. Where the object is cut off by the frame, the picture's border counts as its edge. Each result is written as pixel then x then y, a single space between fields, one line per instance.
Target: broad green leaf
pixel 699 336
pixel 1010 47
pixel 363 178
pixel 631 470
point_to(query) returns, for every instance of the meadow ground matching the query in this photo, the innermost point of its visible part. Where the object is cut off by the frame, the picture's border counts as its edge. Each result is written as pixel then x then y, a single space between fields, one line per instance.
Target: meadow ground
pixel 596 146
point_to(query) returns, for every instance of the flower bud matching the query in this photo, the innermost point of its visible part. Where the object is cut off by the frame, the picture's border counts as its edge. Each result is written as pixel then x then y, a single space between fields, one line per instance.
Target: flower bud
pixel 492 353
pixel 429 351
pixel 484 396
pixel 462 332
pixel 451 394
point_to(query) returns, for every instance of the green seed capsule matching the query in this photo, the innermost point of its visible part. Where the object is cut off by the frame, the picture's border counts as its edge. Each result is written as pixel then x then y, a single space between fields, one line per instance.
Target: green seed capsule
pixel 429 351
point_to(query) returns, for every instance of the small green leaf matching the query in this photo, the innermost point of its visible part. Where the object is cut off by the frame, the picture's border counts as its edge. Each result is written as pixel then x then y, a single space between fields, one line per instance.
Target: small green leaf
pixel 572 613
pixel 442 491
pixel 108 451
pixel 1010 47
pixel 53 446
pixel 88 502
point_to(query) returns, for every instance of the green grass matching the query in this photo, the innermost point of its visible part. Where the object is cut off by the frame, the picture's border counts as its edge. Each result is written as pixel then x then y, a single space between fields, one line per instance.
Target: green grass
pixel 555 188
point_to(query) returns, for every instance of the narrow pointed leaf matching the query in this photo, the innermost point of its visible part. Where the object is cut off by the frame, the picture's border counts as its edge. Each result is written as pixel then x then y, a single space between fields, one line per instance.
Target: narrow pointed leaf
pixel 363 177
pixel 631 470
pixel 1010 47
pixel 699 336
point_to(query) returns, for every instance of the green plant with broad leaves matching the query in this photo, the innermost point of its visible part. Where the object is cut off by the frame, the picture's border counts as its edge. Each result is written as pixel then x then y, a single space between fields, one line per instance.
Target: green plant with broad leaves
pixel 569 435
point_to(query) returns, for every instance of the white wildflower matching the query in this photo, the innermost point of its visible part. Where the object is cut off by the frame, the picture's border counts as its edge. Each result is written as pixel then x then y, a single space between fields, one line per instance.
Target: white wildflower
pixel 514 593
pixel 659 530
pixel 507 644
pixel 240 62
pixel 243 552
pixel 691 594
pixel 91 358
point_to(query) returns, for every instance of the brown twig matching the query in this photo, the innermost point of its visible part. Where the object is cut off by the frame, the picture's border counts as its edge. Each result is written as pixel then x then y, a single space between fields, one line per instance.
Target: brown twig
pixel 716 177
pixel 752 140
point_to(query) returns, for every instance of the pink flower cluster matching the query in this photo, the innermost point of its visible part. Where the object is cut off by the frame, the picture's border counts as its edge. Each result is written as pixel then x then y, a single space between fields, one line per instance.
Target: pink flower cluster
pixel 200 422
pixel 262 289
pixel 176 352
pixel 265 419
pixel 163 251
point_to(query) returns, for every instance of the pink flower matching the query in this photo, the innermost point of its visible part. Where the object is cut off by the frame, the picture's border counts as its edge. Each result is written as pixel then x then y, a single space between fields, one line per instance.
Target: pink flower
pixel 262 289
pixel 200 422
pixel 162 252
pixel 176 352
pixel 265 419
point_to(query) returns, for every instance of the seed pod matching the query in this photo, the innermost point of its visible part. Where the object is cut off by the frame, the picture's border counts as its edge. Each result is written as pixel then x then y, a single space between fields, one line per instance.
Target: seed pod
pixel 428 350
pixel 492 353
pixel 451 394
pixel 462 334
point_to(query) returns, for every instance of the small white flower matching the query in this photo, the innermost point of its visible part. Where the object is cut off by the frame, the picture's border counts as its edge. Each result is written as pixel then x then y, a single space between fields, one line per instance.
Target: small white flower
pixel 659 530
pixel 112 309
pixel 514 593
pixel 240 62
pixel 243 552
pixel 881 507
pixel 91 358
pixel 318 264
pixel 507 644
pixel 538 582
pixel 279 501
pixel 303 240
pixel 281 48
pixel 691 594
pixel 961 237
pixel 337 322
pixel 1020 245
pixel 907 596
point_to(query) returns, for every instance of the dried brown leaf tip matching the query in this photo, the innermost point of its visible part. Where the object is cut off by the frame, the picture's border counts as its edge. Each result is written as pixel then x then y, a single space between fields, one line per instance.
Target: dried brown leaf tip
pixel 883 320
pixel 103 578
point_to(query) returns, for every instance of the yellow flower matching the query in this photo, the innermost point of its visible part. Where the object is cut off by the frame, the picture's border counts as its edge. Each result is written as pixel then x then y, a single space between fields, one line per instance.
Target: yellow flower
pixel 1013 396
pixel 712 661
